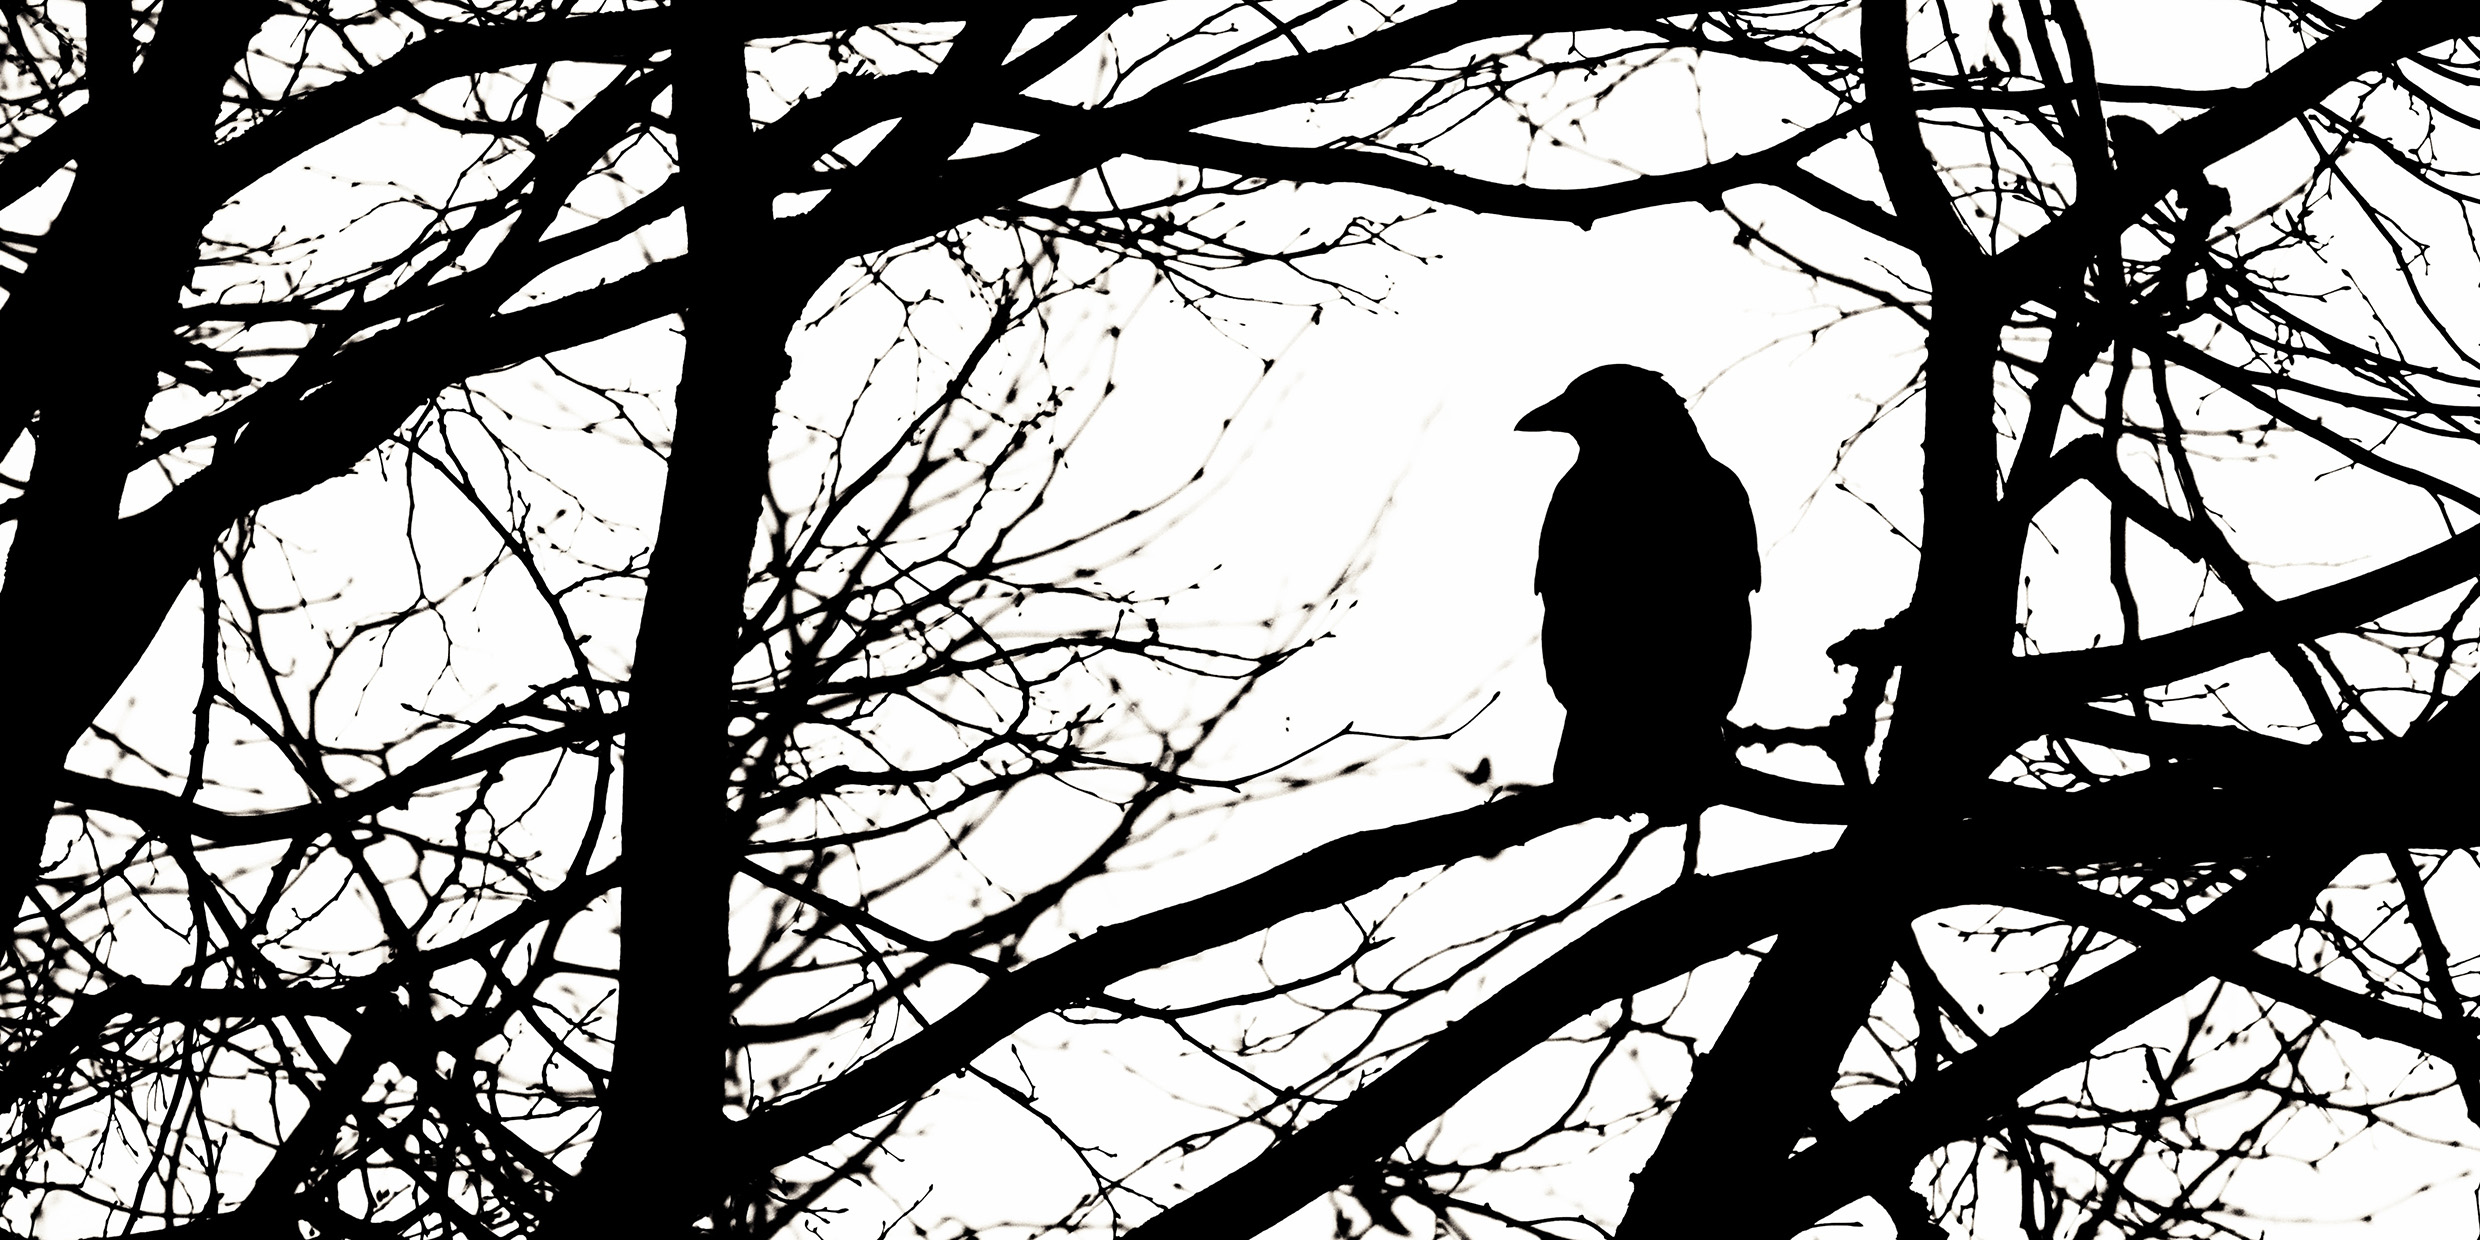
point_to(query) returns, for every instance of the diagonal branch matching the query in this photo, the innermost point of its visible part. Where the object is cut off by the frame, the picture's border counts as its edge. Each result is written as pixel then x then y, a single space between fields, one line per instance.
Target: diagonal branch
pixel 1700 919
pixel 2387 33
pixel 1888 1139
pixel 1323 876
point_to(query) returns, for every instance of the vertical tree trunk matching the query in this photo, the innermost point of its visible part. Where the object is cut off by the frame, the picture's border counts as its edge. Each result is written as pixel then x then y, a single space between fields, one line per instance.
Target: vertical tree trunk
pixel 1771 1074
pixel 651 1163
pixel 91 322
pixel 1961 622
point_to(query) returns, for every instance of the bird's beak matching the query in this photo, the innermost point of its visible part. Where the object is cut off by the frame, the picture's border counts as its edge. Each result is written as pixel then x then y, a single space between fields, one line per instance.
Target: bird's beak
pixel 1550 417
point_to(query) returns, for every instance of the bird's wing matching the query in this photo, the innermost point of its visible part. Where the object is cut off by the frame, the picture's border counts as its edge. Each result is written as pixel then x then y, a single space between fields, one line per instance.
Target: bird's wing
pixel 1574 530
pixel 1606 528
pixel 1736 520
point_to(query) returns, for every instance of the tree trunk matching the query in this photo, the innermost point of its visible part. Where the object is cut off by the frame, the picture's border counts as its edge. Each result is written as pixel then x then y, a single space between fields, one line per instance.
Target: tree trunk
pixel 652 1162
pixel 92 318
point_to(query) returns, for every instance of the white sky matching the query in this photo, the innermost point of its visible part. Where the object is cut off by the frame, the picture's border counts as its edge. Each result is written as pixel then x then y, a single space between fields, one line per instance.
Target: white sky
pixel 1418 402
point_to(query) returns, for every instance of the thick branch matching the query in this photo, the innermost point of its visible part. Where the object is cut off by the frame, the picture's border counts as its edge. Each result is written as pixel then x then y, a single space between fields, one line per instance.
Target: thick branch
pixel 1323 876
pixel 1958 1102
pixel 2081 675
pixel 2387 33
pixel 1698 920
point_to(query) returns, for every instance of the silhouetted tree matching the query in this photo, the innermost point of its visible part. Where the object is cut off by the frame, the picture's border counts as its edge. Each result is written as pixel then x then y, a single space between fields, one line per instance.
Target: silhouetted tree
pixel 714 782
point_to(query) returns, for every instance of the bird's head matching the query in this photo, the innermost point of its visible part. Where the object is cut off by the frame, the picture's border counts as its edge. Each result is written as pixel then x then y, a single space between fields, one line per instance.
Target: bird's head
pixel 1610 402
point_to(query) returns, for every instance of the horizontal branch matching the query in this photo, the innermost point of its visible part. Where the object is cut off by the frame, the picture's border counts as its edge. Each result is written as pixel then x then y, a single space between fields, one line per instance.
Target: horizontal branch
pixel 1328 165
pixel 606 38
pixel 89 1014
pixel 2163 739
pixel 162 813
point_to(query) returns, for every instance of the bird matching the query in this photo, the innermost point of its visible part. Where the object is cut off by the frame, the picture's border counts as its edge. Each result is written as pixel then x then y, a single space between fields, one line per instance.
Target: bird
pixel 1648 558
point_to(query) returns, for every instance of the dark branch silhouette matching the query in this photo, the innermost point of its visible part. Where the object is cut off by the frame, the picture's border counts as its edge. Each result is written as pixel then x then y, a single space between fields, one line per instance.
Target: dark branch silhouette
pixel 578 673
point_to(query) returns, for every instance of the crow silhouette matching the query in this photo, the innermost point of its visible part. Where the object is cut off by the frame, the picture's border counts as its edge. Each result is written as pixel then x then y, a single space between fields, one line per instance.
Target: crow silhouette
pixel 1648 555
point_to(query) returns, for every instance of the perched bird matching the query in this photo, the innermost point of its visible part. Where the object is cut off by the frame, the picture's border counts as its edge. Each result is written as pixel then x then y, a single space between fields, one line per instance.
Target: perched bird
pixel 1648 555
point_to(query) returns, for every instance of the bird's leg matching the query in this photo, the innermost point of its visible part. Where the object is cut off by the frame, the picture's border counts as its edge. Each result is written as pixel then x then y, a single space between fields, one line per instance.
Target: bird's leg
pixel 1689 843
